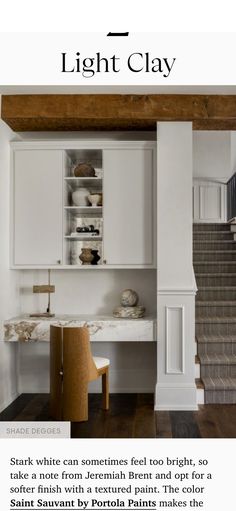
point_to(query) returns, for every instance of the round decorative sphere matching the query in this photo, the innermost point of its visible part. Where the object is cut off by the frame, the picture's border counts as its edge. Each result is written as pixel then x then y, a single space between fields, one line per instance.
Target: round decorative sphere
pixel 129 298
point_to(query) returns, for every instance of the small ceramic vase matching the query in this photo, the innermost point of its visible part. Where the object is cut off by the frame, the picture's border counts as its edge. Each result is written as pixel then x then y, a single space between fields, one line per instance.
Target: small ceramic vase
pixel 80 197
pixel 94 199
pixel 86 256
pixel 96 257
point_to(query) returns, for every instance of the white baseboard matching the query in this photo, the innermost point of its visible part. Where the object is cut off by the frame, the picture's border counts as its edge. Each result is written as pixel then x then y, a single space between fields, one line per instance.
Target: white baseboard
pixel 171 398
pixel 4 404
pixel 200 397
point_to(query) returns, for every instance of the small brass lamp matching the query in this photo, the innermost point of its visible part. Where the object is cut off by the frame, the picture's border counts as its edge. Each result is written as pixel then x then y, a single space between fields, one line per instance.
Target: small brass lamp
pixel 45 288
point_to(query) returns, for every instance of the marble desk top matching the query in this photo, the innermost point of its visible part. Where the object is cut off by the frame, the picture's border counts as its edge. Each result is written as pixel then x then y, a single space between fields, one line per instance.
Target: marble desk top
pixel 102 328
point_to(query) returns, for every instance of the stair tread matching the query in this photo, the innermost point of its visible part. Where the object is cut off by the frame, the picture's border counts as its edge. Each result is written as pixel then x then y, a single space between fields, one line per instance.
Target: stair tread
pixel 195 224
pixel 220 274
pixel 206 251
pixel 216 319
pixel 216 241
pixel 219 383
pixel 213 232
pixel 216 288
pixel 212 338
pixel 217 359
pixel 199 383
pixel 216 303
pixel 214 262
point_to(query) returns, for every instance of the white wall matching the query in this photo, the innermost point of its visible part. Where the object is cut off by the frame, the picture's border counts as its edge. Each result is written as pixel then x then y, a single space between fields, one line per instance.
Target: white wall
pixel 133 365
pixel 175 389
pixel 174 204
pixel 212 154
pixel 9 280
pixel 87 292
pixel 233 152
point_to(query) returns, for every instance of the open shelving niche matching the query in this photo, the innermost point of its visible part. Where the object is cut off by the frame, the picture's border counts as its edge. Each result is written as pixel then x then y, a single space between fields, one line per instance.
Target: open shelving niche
pixel 75 216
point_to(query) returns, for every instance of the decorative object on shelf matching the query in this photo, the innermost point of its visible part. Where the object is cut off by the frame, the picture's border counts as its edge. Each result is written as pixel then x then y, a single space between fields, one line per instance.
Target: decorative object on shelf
pixel 87 229
pixel 129 298
pixel 95 199
pixel 129 312
pixel 83 229
pixel 86 256
pixel 80 196
pixel 44 289
pixel 96 257
pixel 84 170
pixel 129 306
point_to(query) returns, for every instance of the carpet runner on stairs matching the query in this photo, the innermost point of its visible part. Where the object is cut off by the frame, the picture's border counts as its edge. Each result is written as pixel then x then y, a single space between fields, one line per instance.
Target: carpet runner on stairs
pixel 214 259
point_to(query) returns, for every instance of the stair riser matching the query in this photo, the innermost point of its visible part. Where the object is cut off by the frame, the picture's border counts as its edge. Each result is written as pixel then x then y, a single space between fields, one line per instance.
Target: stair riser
pixel 214 256
pixel 218 371
pixel 209 280
pixel 213 311
pixel 214 295
pixel 215 328
pixel 220 397
pixel 214 268
pixel 204 236
pixel 211 227
pixel 218 348
pixel 214 245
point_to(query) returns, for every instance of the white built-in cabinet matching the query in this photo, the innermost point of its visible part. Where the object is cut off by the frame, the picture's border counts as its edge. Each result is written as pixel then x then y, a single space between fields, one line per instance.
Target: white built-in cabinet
pixel 37 207
pixel 44 218
pixel 128 207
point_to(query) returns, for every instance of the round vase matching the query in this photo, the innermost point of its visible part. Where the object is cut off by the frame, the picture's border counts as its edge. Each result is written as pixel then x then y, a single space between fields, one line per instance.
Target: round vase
pixel 80 197
pixel 86 256
pixel 94 199
pixel 96 257
pixel 84 170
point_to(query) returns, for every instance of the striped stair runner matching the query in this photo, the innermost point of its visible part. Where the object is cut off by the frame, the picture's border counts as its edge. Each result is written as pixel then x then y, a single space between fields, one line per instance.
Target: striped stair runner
pixel 214 260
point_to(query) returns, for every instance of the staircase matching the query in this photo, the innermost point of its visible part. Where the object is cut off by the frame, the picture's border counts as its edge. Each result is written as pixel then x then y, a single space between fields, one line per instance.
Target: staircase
pixel 214 260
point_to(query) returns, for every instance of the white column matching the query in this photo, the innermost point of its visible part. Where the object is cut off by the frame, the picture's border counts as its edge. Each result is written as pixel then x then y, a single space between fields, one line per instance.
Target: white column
pixel 176 288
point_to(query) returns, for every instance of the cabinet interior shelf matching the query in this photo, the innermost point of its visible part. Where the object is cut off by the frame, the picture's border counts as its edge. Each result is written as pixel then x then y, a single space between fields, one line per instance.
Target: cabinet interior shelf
pixel 83 238
pixel 80 179
pixel 77 210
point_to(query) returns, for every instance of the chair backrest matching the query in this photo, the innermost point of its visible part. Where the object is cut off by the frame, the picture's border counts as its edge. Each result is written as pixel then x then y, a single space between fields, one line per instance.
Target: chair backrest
pixel 70 356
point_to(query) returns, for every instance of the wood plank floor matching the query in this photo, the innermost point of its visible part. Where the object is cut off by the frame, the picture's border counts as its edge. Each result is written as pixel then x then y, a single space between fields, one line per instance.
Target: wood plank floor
pixel 132 416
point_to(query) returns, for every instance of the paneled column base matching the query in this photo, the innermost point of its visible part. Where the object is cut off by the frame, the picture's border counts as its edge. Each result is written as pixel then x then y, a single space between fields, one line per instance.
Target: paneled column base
pixel 174 397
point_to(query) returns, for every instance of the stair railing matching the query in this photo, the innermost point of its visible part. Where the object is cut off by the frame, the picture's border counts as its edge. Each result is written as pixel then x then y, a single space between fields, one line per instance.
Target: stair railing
pixel 231 197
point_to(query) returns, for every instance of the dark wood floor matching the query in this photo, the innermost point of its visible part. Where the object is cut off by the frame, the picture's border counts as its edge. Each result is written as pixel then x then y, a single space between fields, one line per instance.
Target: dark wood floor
pixel 132 416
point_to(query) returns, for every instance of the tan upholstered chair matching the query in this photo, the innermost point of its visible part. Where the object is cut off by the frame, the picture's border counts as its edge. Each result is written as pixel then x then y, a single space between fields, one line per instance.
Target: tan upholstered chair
pixel 72 367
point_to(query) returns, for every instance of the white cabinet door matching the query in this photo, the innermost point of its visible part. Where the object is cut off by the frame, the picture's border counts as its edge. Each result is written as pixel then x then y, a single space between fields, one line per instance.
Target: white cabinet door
pixel 37 207
pixel 128 207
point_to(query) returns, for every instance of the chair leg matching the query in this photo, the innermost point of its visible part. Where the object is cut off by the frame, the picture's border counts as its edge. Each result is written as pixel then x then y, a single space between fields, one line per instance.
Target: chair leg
pixel 105 389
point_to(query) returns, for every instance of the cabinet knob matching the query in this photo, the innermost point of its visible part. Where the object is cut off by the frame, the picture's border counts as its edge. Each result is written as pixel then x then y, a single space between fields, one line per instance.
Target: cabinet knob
pixel 58 261
pixel 104 261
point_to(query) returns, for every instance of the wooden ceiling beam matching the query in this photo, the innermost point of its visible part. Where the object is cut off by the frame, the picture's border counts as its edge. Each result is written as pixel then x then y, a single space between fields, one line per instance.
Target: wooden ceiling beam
pixel 70 112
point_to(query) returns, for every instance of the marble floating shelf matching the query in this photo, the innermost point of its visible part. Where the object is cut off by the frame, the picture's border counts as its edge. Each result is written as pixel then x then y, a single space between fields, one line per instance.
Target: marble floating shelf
pixel 102 328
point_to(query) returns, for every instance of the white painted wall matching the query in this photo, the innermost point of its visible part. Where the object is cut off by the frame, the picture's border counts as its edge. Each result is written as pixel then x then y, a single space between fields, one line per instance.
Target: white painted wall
pixel 212 154
pixel 233 152
pixel 175 389
pixel 133 366
pixel 214 160
pixel 174 204
pixel 9 281
pixel 87 292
